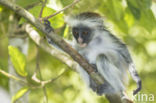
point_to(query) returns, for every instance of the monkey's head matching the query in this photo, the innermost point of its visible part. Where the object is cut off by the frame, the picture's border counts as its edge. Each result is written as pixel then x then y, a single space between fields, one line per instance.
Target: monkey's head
pixel 84 26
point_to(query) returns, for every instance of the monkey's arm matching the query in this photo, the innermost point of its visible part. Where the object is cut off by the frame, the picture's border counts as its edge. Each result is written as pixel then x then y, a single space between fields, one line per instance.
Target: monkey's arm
pixel 110 72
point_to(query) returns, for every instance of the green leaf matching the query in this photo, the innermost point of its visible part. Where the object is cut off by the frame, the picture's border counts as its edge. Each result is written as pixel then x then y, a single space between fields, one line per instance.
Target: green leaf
pixel 57 21
pixel 25 3
pixel 135 10
pixel 19 94
pixel 36 11
pixel 18 60
pixel 66 2
pixel 66 32
pixel 144 4
pixel 147 20
pixel 129 18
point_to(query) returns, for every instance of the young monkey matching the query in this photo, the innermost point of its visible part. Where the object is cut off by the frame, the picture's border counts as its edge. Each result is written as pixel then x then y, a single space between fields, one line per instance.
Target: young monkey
pixel 104 51
pixel 108 55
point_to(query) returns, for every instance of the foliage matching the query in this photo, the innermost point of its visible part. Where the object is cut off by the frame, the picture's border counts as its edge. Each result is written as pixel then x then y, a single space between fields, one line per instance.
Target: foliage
pixel 19 94
pixel 18 60
pixel 134 21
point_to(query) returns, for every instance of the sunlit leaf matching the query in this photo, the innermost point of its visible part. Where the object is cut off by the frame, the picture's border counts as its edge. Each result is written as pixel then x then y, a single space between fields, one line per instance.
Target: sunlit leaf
pixel 19 94
pixel 57 20
pixel 66 32
pixel 36 11
pixel 18 60
pixel 1 9
pixel 128 17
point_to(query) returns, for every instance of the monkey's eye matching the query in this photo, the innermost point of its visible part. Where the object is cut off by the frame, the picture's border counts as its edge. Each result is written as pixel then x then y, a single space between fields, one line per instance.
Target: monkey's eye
pixel 85 32
pixel 75 32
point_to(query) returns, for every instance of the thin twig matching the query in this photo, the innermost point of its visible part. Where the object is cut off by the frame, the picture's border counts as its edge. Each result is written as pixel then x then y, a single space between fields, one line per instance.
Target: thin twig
pixel 12 76
pixel 68 6
pixel 43 83
pixel 40 75
pixel 43 5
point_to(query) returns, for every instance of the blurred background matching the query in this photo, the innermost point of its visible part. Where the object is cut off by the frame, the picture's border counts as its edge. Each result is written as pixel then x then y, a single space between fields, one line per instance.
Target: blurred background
pixel 134 21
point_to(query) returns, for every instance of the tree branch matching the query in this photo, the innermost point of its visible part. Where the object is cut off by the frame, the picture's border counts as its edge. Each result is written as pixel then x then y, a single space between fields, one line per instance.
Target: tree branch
pixel 56 39
pixel 68 6
pixel 12 76
pixel 40 41
pixel 43 5
pixel 45 82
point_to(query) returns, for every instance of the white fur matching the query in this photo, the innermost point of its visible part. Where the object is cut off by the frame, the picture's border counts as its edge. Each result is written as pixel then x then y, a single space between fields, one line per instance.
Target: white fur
pixel 86 22
pixel 114 71
pixel 114 75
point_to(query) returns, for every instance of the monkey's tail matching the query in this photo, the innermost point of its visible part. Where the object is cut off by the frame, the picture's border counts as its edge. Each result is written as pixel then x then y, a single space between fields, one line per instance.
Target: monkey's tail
pixel 135 77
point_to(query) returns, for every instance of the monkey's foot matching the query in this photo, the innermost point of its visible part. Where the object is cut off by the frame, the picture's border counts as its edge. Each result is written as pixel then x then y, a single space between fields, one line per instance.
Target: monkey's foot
pixel 104 89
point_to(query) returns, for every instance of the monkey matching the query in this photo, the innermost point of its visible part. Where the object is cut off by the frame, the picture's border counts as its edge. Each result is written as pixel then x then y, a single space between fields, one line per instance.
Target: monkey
pixel 107 54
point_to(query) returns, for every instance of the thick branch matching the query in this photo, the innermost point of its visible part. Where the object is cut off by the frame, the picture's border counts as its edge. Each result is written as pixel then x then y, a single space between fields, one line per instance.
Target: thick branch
pixel 62 56
pixel 56 39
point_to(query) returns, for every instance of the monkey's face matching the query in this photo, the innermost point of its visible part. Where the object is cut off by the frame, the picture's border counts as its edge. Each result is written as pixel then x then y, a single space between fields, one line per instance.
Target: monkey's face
pixel 82 35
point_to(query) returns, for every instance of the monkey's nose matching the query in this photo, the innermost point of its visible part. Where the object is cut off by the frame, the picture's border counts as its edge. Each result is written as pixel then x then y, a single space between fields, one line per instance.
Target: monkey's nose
pixel 80 40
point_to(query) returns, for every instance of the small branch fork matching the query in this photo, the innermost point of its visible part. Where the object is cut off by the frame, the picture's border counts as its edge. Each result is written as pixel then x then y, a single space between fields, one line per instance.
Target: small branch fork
pixel 34 78
pixel 48 17
pixel 43 83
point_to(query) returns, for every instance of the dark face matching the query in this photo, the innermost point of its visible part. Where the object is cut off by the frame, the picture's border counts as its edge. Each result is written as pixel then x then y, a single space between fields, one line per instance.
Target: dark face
pixel 82 35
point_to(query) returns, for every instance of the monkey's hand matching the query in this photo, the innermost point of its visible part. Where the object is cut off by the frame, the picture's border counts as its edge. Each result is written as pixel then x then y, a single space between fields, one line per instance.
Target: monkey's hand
pixel 48 28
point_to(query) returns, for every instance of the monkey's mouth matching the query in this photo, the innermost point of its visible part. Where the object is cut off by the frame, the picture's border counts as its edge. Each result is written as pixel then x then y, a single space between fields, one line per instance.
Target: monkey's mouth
pixel 82 45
